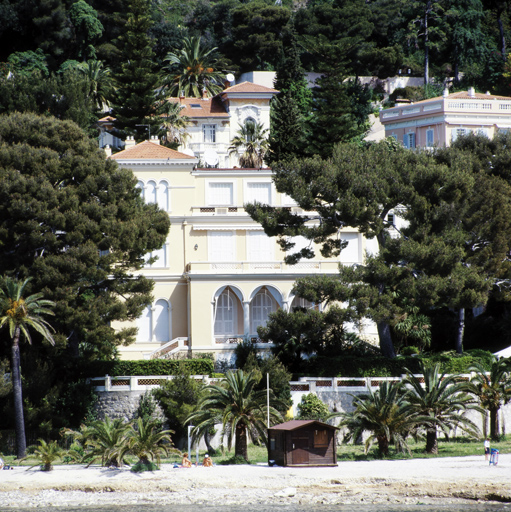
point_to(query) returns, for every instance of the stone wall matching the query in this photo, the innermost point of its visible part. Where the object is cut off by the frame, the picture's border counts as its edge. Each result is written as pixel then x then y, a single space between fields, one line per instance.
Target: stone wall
pixel 120 404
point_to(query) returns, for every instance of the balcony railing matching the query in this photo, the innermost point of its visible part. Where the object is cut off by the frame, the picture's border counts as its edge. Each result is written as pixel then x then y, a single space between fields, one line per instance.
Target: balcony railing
pixel 264 267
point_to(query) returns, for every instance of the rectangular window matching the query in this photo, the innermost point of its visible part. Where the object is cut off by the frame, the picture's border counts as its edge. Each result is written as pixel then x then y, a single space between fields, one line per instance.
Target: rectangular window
pixel 430 138
pixel 209 132
pixel 409 140
pixel 161 254
pixel 351 253
pixel 260 247
pixel 220 193
pixel 221 245
pixel 458 132
pixel 483 131
pixel 258 192
pixel 320 438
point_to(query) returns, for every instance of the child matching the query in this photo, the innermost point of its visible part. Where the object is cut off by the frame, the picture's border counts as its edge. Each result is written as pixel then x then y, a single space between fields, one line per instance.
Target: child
pixel 487 448
pixel 207 462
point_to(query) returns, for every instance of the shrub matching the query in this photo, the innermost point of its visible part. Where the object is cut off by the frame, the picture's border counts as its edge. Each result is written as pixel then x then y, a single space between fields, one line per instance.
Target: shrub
pixel 312 408
pixel 151 367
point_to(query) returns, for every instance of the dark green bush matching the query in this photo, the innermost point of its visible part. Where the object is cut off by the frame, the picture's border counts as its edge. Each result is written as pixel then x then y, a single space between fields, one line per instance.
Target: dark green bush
pixel 150 367
pixel 378 366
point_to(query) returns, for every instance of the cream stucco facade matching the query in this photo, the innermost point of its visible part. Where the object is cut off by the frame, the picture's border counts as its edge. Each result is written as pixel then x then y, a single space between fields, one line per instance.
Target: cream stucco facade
pixel 218 276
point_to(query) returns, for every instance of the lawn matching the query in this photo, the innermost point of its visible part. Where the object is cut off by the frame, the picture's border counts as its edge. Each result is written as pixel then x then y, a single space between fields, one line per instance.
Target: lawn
pixel 457 447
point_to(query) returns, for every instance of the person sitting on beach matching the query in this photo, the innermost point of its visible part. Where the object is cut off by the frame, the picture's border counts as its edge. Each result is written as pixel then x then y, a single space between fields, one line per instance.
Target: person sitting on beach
pixel 207 462
pixel 186 462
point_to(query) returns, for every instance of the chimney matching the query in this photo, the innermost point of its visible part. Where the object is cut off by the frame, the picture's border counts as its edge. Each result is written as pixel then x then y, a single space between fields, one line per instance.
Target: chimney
pixel 155 139
pixel 471 92
pixel 445 93
pixel 130 141
pixel 204 93
pixel 108 151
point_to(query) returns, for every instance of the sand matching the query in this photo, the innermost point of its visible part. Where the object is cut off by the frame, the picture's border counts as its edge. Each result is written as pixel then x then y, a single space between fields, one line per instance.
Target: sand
pixel 428 481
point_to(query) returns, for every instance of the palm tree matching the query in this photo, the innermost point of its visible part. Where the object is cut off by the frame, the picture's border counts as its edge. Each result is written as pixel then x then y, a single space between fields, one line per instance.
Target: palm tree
pixel 441 399
pixel 19 314
pixel 195 71
pixel 241 410
pixel 47 454
pixel 385 413
pixel 174 124
pixel 493 389
pixel 100 82
pixel 147 442
pixel 107 440
pixel 252 139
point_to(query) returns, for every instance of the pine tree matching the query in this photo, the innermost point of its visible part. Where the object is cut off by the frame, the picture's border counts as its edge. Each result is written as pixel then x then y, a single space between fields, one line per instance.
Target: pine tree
pixel 137 81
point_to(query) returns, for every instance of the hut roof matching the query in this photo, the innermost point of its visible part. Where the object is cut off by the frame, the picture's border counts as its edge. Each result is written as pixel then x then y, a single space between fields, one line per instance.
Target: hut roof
pixel 296 424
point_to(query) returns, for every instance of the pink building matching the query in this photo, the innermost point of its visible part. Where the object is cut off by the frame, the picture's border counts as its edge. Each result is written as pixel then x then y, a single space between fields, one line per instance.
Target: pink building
pixel 438 121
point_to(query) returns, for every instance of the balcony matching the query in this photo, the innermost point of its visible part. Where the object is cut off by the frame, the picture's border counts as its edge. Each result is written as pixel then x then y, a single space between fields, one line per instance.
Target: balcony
pixel 262 267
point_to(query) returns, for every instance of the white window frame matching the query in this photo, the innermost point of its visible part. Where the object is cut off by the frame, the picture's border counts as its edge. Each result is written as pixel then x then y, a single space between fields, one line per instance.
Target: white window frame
pixel 231 257
pixel 264 309
pixel 226 304
pixel 252 254
pixel 209 199
pixel 246 187
pixel 209 132
pixel 162 254
pixel 149 319
pixel 458 132
pixel 430 138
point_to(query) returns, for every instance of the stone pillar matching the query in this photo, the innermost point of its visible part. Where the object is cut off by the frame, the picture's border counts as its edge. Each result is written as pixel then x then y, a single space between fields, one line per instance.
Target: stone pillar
pixel 246 318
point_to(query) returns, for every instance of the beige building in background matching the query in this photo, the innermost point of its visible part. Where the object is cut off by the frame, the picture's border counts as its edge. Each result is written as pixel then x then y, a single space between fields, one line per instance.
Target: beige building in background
pixel 218 276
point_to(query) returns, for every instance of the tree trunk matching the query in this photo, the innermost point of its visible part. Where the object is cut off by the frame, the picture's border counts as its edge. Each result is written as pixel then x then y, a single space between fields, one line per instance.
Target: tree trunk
pixel 494 424
pixel 386 345
pixel 241 449
pixel 461 330
pixel 426 44
pixel 19 420
pixel 502 37
pixel 431 441
pixel 383 445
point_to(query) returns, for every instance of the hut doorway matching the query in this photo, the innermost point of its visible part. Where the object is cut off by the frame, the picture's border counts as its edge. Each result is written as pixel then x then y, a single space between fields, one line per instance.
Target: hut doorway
pixel 300 450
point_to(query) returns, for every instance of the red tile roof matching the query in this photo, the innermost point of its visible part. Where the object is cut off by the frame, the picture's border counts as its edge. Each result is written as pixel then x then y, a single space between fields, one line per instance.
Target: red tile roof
pixel 148 150
pixel 295 424
pixel 198 107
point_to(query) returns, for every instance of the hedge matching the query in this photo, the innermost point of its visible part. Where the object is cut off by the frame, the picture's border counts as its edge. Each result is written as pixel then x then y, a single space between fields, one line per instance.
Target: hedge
pixel 151 367
pixel 378 366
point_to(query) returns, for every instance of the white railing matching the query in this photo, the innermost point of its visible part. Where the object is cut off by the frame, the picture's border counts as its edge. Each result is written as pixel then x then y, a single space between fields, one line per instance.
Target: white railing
pixel 170 348
pixel 277 267
pixel 138 383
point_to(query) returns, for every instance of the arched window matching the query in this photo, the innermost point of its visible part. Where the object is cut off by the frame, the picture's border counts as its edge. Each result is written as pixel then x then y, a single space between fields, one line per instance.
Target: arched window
pixel 140 185
pixel 260 308
pixel 250 125
pixel 163 196
pixel 299 302
pixel 226 314
pixel 150 192
pixel 161 321
pixel 154 325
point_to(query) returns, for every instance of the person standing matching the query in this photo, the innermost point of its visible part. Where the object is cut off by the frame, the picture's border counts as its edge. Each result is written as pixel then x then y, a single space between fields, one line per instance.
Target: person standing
pixel 487 448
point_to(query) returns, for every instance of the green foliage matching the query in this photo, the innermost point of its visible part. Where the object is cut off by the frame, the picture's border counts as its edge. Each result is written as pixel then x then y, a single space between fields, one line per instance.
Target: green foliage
pixel 385 414
pixel 147 442
pixel 312 408
pixel 444 399
pixel 178 398
pixel 25 63
pixel 252 140
pixel 241 409
pixel 87 27
pixel 47 454
pixel 137 80
pixel 151 367
pixel 146 407
pixel 493 389
pixel 192 70
pixel 141 467
pixel 377 366
pixel 83 232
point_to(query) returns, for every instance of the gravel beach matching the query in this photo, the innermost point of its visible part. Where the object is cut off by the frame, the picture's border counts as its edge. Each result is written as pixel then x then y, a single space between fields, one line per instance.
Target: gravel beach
pixel 428 481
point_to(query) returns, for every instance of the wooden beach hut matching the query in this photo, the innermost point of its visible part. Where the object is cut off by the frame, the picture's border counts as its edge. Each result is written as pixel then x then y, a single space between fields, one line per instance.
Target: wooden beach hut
pixel 302 443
